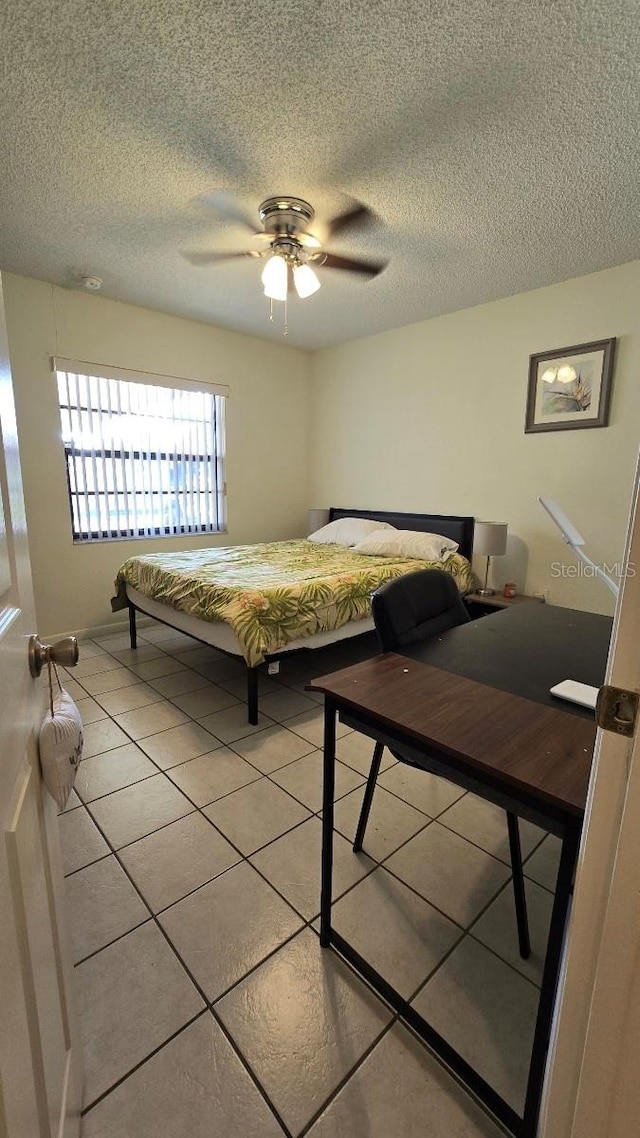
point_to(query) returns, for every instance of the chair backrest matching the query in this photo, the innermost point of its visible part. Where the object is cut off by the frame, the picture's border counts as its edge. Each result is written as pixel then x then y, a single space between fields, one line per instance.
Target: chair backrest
pixel 415 607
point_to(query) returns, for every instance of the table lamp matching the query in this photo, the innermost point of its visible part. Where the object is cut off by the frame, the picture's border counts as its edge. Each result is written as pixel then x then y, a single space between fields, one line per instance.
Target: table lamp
pixel 316 519
pixel 489 540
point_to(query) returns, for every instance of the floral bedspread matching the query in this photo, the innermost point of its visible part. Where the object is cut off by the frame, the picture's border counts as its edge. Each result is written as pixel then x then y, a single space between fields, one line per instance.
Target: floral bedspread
pixel 275 592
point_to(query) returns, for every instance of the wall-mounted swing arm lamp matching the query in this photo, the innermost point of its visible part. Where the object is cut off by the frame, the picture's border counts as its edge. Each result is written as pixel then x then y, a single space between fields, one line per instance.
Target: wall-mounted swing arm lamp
pixel 574 539
pixel 489 540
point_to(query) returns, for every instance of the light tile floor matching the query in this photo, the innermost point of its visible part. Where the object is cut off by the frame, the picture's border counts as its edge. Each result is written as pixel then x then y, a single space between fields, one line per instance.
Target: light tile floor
pixel 191 846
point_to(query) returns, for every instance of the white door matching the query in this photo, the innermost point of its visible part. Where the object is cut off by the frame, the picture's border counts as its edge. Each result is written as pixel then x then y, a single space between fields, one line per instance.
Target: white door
pixel 40 1084
pixel 593 1079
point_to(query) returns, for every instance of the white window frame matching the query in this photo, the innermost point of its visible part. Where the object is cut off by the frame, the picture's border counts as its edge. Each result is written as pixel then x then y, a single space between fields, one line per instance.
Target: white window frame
pixel 117 479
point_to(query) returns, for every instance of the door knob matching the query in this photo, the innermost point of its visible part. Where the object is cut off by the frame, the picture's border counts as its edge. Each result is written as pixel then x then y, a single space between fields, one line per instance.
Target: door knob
pixel 63 652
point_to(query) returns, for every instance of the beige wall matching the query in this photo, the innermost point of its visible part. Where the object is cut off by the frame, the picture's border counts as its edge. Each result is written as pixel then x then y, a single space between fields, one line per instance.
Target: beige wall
pixel 267 430
pixel 430 418
pixel 427 417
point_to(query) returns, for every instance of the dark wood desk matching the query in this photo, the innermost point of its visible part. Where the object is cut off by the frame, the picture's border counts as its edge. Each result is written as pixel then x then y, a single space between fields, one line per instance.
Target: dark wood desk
pixel 484 606
pixel 525 650
pixel 475 705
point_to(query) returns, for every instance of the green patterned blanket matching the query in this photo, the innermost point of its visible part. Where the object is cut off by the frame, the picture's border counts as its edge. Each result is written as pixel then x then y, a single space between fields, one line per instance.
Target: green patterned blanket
pixel 275 592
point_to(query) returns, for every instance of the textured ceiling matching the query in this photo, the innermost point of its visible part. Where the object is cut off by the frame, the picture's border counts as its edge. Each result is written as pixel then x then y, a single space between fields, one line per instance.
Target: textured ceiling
pixel 496 140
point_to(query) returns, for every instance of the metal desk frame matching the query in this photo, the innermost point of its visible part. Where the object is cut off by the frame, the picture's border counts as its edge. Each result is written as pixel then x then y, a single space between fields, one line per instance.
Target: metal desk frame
pixel 526 803
pixel 567 827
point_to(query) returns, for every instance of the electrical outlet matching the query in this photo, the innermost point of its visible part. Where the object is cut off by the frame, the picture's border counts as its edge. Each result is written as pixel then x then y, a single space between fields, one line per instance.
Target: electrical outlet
pixel 273 667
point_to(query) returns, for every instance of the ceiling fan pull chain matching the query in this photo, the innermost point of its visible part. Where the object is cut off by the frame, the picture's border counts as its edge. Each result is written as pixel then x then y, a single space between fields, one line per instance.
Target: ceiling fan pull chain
pixel 286 315
pixel 271 310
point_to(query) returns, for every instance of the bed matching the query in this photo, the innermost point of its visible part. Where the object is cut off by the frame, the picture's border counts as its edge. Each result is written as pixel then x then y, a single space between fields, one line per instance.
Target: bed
pixel 262 602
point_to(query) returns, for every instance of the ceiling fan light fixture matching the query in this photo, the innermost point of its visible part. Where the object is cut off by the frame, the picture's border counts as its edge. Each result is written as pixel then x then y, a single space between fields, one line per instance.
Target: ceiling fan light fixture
pixel 274 278
pixel 291 248
pixel 305 280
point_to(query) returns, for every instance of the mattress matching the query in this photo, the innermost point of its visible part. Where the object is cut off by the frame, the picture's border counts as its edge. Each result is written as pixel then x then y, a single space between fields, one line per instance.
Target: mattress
pixel 221 635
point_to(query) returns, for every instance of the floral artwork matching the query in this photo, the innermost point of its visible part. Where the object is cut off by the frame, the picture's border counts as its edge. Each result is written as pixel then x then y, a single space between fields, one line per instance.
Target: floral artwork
pixel 570 387
pixel 573 393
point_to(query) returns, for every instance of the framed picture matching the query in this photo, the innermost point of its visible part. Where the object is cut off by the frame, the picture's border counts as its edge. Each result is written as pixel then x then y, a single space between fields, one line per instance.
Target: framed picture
pixel 570 387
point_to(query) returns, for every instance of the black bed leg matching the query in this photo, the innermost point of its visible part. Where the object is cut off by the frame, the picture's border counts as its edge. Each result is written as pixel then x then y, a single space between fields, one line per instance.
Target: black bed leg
pixel 133 636
pixel 252 694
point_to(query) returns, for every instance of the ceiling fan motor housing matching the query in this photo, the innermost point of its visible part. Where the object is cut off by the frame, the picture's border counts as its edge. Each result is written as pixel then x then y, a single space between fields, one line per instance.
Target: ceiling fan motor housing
pixel 285 215
pixel 285 234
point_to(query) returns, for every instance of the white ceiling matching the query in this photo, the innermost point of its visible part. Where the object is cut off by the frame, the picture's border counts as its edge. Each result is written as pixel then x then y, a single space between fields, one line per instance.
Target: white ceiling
pixel 496 140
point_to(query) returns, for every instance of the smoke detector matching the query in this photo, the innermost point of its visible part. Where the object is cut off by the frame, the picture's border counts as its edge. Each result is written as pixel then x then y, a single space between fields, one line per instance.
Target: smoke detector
pixel 91 283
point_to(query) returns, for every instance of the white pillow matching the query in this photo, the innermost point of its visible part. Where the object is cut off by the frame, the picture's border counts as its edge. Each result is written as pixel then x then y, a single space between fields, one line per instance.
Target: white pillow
pixel 347 531
pixel 60 744
pixel 407 543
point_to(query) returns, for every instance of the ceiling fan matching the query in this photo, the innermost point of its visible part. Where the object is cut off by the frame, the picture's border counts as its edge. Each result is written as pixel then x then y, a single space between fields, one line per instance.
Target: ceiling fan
pixel 291 250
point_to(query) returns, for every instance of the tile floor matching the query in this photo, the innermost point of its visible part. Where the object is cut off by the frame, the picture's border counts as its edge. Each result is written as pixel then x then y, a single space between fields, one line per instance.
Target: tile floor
pixel 191 846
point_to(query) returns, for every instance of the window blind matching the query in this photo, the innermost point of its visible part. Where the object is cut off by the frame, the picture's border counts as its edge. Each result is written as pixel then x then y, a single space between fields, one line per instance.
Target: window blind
pixel 144 457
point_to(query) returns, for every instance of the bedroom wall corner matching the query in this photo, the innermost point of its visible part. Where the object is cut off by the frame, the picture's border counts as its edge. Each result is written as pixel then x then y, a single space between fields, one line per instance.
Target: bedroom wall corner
pixel 430 417
pixel 267 423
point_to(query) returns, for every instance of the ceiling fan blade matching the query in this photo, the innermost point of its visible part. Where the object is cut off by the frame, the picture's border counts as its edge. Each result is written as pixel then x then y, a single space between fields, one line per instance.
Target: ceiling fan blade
pixel 227 209
pixel 366 268
pixel 354 218
pixel 198 258
pixel 307 240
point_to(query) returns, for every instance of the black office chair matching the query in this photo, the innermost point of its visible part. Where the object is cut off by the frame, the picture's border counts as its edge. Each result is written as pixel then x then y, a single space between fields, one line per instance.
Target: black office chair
pixel 406 611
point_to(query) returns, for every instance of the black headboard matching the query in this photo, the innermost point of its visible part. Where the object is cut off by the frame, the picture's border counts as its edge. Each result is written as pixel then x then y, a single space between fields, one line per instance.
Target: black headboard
pixel 458 529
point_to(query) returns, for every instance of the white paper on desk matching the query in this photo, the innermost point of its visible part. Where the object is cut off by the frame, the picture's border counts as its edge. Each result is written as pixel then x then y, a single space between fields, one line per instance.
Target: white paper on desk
pixel 575 692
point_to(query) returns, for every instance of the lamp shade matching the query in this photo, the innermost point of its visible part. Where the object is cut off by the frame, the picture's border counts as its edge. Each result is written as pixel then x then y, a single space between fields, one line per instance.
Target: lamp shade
pixel 316 519
pixel 275 278
pixel 305 281
pixel 490 538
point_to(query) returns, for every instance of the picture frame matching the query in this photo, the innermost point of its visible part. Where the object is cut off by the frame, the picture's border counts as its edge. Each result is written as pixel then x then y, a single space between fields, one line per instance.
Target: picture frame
pixel 570 388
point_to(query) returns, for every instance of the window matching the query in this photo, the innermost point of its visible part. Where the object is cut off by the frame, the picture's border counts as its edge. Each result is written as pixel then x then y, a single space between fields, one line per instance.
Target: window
pixel 144 453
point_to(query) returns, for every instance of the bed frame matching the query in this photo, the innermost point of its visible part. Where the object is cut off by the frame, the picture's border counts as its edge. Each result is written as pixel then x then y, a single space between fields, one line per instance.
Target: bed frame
pixel 459 529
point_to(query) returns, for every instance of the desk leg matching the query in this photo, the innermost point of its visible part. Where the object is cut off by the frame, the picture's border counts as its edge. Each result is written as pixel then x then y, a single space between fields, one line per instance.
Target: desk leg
pixel 519 894
pixel 566 870
pixel 368 797
pixel 328 784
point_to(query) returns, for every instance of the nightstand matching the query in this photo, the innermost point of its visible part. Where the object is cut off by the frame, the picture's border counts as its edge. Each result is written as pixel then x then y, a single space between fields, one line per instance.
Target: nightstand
pixel 482 606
